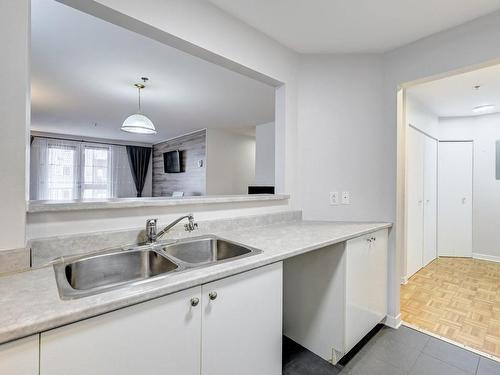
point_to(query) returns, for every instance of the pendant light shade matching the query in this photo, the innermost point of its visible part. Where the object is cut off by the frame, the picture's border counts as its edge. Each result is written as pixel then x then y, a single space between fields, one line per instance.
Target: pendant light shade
pixel 138 123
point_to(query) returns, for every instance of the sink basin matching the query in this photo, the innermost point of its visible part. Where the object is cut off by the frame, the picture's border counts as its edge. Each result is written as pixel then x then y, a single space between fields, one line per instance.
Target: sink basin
pixel 97 273
pixel 86 275
pixel 206 250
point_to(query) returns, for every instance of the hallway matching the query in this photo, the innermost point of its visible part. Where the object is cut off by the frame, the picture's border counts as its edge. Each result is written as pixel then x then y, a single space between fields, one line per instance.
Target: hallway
pixel 458 299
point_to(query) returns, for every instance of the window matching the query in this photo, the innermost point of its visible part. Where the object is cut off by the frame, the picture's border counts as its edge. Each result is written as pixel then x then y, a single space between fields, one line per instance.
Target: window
pixel 63 169
pixel 96 181
pixel 61 173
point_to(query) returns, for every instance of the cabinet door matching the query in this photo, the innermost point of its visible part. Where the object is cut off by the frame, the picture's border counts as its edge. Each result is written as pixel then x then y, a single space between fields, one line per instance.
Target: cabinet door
pixel 242 326
pixel 20 357
pixel 414 202
pixel 366 285
pixel 161 336
pixel 430 201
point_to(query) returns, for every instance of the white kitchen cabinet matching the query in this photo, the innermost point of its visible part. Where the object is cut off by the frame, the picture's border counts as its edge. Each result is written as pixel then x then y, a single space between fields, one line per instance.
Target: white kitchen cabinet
pixel 366 286
pixel 334 296
pixel 161 336
pixel 20 357
pixel 242 323
pixel 239 332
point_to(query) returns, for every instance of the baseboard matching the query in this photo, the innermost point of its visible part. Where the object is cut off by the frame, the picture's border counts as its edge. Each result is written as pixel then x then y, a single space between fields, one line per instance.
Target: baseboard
pixel 393 321
pixel 491 258
pixel 404 280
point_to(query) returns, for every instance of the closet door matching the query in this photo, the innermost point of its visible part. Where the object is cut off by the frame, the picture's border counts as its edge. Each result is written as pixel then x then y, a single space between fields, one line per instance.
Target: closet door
pixel 430 201
pixel 455 199
pixel 414 201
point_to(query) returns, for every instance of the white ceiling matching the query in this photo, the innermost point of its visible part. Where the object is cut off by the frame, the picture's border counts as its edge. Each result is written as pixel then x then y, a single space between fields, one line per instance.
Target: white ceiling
pixel 83 71
pixel 345 26
pixel 455 95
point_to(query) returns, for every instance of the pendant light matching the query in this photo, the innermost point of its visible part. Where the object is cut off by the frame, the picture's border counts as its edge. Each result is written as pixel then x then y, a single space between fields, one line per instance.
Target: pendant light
pixel 138 123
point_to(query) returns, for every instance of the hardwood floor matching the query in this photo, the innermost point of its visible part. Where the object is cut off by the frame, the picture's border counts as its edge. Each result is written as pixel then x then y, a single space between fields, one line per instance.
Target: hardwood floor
pixel 457 298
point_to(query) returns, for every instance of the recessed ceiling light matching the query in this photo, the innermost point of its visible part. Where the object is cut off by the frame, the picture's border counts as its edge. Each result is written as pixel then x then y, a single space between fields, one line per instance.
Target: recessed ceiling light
pixel 483 108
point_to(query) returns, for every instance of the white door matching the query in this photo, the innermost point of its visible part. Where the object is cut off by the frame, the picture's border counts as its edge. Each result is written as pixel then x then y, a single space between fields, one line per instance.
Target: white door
pixel 414 201
pixel 430 201
pixel 20 357
pixel 242 323
pixel 366 286
pixel 161 336
pixel 455 199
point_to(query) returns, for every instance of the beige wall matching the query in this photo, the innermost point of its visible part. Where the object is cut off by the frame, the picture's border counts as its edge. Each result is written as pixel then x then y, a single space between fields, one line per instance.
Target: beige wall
pixel 230 162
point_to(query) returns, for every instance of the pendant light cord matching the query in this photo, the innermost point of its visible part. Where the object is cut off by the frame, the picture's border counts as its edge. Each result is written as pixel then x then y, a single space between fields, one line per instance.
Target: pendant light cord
pixel 139 89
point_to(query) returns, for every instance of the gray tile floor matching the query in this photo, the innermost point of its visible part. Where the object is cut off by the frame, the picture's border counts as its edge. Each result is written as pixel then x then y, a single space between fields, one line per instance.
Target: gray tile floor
pixel 393 352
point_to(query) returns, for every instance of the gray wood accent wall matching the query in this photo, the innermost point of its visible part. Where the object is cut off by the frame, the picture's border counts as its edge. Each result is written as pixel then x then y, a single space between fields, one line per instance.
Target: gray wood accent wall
pixel 193 180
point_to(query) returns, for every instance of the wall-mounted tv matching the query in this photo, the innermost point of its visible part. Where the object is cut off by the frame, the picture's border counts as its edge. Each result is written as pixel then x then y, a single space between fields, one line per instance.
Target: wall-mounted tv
pixel 172 161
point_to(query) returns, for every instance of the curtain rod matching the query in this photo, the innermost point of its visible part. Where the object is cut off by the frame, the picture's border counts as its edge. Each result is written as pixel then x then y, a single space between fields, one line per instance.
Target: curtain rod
pixel 84 141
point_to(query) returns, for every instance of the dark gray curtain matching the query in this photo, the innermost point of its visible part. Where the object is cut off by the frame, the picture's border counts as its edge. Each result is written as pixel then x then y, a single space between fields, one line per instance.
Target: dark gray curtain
pixel 138 158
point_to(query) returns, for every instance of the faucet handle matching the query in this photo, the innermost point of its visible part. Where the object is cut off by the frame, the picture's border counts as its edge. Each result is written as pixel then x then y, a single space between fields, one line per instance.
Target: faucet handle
pixel 151 230
pixel 151 223
pixel 189 227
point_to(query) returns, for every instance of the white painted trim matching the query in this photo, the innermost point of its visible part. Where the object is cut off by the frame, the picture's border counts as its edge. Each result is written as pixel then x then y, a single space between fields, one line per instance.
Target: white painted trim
pixel 416 328
pixel 491 258
pixel 404 280
pixel 393 321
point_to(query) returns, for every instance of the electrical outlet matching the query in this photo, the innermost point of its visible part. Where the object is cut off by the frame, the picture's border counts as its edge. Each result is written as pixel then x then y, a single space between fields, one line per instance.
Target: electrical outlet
pixel 334 198
pixel 346 197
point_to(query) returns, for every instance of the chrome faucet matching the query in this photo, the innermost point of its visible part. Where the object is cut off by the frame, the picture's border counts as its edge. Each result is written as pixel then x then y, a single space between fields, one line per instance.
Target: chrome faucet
pixel 151 228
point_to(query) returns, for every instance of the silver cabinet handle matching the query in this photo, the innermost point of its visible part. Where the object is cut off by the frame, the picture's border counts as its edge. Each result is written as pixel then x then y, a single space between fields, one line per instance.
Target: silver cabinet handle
pixel 212 295
pixel 195 301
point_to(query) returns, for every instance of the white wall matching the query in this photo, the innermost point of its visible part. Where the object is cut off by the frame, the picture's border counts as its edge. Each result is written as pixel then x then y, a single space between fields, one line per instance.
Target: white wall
pixel 230 162
pixel 264 154
pixel 342 137
pixel 484 131
pixel 14 121
pixel 420 116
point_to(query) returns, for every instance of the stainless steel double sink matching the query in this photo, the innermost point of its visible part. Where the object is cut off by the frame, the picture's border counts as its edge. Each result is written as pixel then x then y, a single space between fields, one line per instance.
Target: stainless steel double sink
pixel 92 274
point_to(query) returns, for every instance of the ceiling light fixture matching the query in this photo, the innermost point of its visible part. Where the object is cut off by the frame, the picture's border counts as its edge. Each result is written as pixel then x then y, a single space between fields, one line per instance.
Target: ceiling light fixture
pixel 138 123
pixel 480 109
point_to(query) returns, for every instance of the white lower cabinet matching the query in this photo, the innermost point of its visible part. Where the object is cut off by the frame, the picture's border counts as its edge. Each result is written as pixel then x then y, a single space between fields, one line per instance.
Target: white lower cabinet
pixel 161 336
pixel 366 286
pixel 20 357
pixel 242 325
pixel 238 332
pixel 334 296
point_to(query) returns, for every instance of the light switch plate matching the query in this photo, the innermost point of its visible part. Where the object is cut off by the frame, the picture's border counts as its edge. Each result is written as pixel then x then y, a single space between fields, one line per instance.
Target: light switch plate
pixel 334 198
pixel 346 197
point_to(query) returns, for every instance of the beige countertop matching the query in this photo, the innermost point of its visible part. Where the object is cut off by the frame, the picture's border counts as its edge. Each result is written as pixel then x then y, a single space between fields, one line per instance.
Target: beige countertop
pixel 30 302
